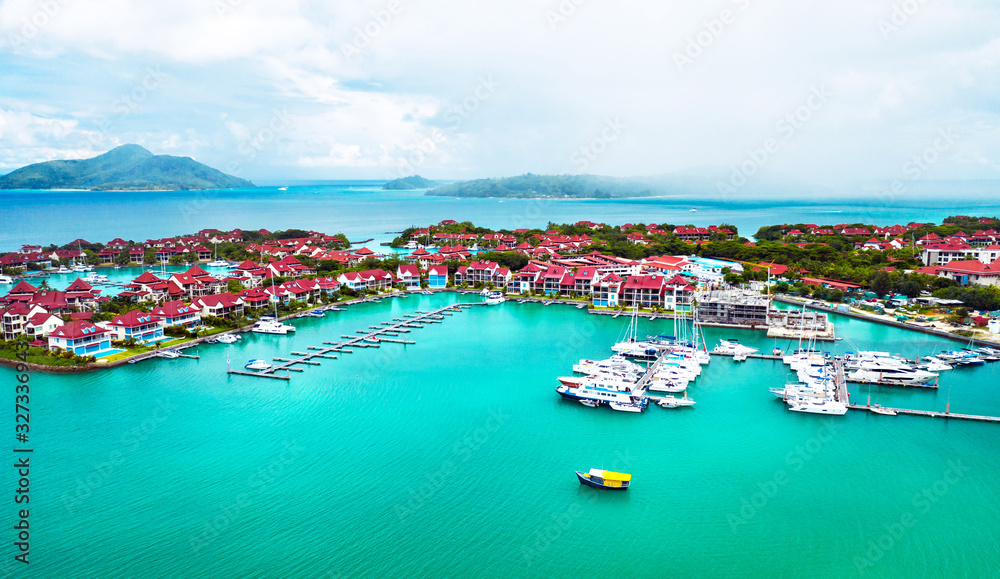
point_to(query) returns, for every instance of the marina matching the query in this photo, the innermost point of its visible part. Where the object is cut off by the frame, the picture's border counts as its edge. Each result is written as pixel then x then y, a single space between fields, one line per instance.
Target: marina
pixel 373 337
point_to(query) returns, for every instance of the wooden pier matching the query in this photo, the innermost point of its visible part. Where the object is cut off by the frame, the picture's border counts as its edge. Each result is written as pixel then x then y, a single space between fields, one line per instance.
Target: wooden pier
pixel 370 338
pixel 930 413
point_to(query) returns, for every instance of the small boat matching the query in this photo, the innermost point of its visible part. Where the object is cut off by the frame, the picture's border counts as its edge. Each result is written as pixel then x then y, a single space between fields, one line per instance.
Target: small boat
pixel 282 188
pixel 270 325
pixel 671 402
pixel 494 298
pixel 741 357
pixel 64 269
pixel 373 340
pixel 170 354
pixel 212 341
pixel 6 279
pixel 591 403
pixel 605 479
pixel 258 365
pixel 877 409
pixel 227 339
pixel 693 210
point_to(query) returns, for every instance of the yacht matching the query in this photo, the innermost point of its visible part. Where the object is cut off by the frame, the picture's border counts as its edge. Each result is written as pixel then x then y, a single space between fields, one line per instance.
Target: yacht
pixel 411 245
pixel 629 406
pixel 258 365
pixel 227 339
pixel 170 354
pixel 667 385
pixel 733 347
pixel 819 407
pixel 64 269
pixel 271 325
pixel 595 393
pixel 671 402
pixel 741 357
pixel 216 262
pixel 611 365
pixel 877 409
pixel 6 279
pixel 891 376
pixel 494 298
pixel 94 278
pixel 83 267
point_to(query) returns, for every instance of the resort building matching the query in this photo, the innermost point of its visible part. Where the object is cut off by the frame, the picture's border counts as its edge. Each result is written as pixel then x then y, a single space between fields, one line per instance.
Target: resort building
pixel 606 290
pixel 971 272
pixel 372 279
pixel 82 338
pixel 220 306
pixel 408 275
pixel 136 325
pixel 437 276
pixel 178 313
pixel 13 320
pixel 40 325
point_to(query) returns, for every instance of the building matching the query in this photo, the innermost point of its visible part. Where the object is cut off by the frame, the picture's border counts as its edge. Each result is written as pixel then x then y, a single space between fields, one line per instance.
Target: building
pixel 136 325
pixel 82 338
pixel 371 279
pixel 178 313
pixel 605 291
pixel 220 305
pixel 40 325
pixel 733 307
pixel 437 276
pixel 971 272
pixel 644 291
pixel 408 275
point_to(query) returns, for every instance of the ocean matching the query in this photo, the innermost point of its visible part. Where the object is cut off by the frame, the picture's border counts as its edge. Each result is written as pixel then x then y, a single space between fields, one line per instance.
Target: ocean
pixel 363 211
pixel 454 457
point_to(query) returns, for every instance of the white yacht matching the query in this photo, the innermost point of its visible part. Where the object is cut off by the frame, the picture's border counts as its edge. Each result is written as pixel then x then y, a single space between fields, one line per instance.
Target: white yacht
pixel 733 347
pixel 411 245
pixel 64 269
pixel 94 278
pixel 258 365
pixel 271 325
pixel 672 385
pixel 494 298
pixel 819 407
pixel 614 364
pixel 869 372
pixel 600 395
pixel 227 339
pixel 6 279
pixel 671 402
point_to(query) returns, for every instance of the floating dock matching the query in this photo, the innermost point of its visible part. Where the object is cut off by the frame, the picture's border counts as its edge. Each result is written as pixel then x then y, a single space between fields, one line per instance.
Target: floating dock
pixel 369 338
pixel 930 413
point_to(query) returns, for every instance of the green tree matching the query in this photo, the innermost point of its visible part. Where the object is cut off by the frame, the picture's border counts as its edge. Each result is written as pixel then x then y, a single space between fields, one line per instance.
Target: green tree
pixel 881 283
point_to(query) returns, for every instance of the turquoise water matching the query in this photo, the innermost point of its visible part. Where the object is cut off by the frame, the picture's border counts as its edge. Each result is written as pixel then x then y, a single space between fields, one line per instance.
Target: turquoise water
pixel 454 457
pixel 362 210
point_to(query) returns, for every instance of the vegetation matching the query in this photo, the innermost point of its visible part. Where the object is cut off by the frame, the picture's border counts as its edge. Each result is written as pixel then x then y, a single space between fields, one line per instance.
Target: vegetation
pixel 530 186
pixel 128 167
pixel 407 183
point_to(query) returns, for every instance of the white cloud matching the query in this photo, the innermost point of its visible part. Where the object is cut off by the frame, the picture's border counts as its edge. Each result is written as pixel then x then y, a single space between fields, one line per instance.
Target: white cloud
pixel 234 62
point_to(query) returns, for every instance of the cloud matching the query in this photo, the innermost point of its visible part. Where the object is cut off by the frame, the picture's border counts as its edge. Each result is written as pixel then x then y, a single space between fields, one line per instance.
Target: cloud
pixel 367 84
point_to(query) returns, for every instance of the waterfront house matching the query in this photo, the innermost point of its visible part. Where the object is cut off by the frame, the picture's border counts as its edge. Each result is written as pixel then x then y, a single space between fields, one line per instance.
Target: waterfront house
pixel 255 298
pixel 223 305
pixel 302 290
pixel 408 275
pixel 552 279
pixel 82 338
pixel 583 280
pixel 327 285
pixel 13 320
pixel 39 325
pixel 606 291
pixel 644 291
pixel 136 255
pixel 372 279
pixel 178 313
pixel 739 307
pixel 529 278
pixel 137 325
pixel 437 276
pixel 108 255
pixel 147 287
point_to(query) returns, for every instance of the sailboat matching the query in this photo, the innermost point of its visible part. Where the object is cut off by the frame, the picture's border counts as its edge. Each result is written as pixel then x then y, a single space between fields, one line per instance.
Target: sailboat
pixel 632 347
pixel 271 324
pixel 216 262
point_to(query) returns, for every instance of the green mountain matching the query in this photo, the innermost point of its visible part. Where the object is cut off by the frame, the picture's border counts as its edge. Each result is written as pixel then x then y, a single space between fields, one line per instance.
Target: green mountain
pixel 124 168
pixel 406 183
pixel 550 186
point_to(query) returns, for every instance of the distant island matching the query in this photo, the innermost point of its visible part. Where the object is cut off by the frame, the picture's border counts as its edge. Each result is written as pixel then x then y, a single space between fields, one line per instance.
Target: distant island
pixel 407 183
pixel 547 186
pixel 124 168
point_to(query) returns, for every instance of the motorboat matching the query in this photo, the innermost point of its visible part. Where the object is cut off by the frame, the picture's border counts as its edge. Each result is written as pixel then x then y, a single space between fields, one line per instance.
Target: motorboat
pixel 227 339
pixel 877 409
pixel 411 245
pixel 819 407
pixel 590 403
pixel 733 347
pixel 605 479
pixel 741 357
pixel 271 325
pixel 169 354
pixel 627 406
pixel 258 365
pixel 95 278
pixel 6 279
pixel 891 376
pixel 63 269
pixel 494 298
pixel 671 402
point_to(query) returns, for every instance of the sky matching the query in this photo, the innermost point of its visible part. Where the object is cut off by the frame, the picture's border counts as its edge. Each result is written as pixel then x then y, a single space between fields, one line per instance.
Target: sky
pixel 451 89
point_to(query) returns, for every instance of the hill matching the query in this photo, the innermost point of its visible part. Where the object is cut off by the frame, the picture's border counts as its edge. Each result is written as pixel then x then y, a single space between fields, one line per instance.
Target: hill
pixel 406 183
pixel 124 168
pixel 551 186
